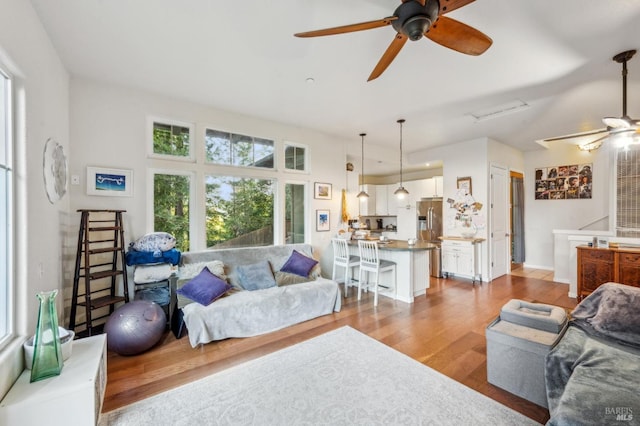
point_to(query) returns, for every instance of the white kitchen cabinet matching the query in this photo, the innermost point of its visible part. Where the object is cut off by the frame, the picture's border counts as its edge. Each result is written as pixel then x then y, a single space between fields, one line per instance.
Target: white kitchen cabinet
pixel 385 205
pixel 428 188
pixel 439 186
pixel 368 205
pixel 461 257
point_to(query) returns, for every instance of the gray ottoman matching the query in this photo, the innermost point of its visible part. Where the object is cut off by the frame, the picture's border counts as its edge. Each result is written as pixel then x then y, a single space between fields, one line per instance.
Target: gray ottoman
pixel 517 343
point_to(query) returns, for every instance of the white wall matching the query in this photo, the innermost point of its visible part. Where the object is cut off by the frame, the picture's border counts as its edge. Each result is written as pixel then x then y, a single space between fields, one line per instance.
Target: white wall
pixel 41 86
pixel 543 216
pixel 109 129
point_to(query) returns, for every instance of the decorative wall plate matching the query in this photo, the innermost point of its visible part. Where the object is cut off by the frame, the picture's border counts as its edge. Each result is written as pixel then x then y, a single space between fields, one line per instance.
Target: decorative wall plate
pixel 54 169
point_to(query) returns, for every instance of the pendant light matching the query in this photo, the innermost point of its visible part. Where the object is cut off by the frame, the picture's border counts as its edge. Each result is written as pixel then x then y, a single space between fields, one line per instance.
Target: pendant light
pixel 401 192
pixel 362 194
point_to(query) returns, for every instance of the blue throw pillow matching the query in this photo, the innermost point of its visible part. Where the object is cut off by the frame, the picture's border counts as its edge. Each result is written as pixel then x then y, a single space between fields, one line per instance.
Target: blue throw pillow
pixel 299 264
pixel 256 276
pixel 204 288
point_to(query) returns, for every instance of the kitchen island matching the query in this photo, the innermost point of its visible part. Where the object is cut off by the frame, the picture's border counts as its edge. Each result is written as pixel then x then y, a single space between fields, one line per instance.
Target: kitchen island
pixel 412 267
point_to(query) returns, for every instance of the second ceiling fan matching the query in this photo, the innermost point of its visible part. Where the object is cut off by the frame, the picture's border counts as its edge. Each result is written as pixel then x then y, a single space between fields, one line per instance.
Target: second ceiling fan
pixel 414 19
pixel 615 125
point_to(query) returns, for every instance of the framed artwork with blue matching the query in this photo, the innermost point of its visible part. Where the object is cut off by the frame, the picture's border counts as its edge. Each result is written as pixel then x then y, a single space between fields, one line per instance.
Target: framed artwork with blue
pixel 109 182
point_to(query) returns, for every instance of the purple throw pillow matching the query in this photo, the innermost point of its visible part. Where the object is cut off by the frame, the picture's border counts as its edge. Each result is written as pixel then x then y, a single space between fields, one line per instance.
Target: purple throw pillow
pixel 299 264
pixel 204 288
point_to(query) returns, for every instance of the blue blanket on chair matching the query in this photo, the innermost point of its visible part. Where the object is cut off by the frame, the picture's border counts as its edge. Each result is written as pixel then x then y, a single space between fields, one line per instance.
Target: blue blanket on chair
pixel 593 373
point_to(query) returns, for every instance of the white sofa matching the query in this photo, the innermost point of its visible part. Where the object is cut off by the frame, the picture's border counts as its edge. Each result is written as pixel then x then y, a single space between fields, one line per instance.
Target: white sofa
pixel 243 313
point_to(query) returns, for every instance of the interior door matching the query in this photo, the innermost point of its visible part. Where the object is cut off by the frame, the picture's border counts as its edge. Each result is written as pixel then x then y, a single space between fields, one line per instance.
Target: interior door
pixel 499 237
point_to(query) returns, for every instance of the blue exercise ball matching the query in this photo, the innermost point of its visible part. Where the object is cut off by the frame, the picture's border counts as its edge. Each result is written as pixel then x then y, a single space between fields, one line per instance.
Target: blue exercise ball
pixel 135 327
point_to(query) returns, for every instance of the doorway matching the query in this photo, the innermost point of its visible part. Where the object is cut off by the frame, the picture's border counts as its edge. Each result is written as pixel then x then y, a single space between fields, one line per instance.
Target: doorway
pixel 517 219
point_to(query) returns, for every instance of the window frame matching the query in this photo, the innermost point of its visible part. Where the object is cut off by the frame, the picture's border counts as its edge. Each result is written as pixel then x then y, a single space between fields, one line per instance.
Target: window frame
pixel 306 207
pixel 306 157
pixel 615 189
pixel 275 187
pixel 193 200
pixel 8 310
pixel 199 168
pixel 191 158
pixel 202 150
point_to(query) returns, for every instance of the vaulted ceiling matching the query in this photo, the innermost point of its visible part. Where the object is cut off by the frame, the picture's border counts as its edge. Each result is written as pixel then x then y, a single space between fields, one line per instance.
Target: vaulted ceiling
pixel 554 56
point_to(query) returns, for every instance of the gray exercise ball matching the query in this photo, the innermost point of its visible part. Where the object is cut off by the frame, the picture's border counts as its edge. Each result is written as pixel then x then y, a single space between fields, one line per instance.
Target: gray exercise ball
pixel 135 327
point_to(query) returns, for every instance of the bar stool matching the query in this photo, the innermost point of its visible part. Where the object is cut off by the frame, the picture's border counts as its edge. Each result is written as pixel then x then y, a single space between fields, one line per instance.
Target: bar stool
pixel 371 262
pixel 341 257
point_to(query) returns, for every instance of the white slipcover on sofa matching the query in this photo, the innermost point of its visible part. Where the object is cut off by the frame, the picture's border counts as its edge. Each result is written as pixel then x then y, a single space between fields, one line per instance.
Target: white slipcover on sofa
pixel 244 313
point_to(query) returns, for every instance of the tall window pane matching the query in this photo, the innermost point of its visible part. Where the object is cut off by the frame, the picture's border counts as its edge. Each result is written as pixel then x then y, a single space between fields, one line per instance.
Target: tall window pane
pixel 6 203
pixel 171 139
pixel 294 213
pixel 218 147
pixel 171 207
pixel 294 158
pixel 239 211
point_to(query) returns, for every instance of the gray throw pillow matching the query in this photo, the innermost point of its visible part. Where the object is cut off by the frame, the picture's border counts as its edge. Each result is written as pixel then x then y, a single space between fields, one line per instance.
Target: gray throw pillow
pixel 286 278
pixel 256 276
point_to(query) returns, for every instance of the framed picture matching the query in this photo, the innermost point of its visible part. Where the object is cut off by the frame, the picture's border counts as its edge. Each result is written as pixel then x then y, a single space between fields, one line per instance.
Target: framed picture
pixel 465 183
pixel 109 182
pixel 322 191
pixel 322 220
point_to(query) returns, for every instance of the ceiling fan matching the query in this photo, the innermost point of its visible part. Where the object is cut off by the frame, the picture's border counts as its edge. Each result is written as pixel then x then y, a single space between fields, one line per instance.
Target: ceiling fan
pixel 615 125
pixel 413 19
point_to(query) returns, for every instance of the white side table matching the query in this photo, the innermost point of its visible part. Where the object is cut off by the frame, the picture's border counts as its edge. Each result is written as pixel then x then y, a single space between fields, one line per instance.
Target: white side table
pixel 72 398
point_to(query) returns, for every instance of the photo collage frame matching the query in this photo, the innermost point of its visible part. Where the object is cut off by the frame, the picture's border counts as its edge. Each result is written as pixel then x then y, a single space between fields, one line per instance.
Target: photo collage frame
pixel 566 182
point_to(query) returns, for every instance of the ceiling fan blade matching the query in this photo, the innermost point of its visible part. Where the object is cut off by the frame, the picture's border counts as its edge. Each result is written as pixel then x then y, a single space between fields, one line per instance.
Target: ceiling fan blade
pixel 349 28
pixel 388 56
pixel 447 6
pixel 579 135
pixel 458 36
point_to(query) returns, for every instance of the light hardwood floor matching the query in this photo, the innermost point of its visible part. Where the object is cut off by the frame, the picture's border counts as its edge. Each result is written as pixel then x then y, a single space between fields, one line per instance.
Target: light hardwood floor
pixel 444 329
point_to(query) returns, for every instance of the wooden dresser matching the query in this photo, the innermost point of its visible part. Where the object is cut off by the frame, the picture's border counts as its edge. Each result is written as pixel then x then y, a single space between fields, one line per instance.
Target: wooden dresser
pixel 597 266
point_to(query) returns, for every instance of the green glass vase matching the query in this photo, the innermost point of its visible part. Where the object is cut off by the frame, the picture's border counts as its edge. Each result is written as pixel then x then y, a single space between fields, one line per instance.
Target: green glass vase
pixel 47 350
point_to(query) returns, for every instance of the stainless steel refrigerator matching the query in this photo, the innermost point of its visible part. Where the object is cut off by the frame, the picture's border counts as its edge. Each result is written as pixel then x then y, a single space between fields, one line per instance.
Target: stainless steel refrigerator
pixel 429 223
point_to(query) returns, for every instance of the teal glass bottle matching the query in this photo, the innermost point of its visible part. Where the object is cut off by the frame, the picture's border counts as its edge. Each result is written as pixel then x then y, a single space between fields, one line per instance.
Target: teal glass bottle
pixel 47 350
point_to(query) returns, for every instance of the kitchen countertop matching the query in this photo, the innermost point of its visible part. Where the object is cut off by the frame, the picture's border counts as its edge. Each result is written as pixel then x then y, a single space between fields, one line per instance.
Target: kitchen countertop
pixel 472 240
pixel 400 245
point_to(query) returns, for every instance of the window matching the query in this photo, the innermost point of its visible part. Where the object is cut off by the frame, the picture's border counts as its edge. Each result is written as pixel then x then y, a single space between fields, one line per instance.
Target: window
pixel 171 139
pixel 295 158
pixel 230 196
pixel 628 192
pixel 6 208
pixel 171 203
pixel 294 217
pixel 239 211
pixel 238 150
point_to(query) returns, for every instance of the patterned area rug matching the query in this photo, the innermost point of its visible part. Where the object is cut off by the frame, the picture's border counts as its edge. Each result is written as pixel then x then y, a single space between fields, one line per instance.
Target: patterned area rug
pixel 342 377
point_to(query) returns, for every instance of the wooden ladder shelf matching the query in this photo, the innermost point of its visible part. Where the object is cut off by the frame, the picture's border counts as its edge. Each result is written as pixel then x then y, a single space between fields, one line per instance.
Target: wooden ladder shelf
pixel 100 260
